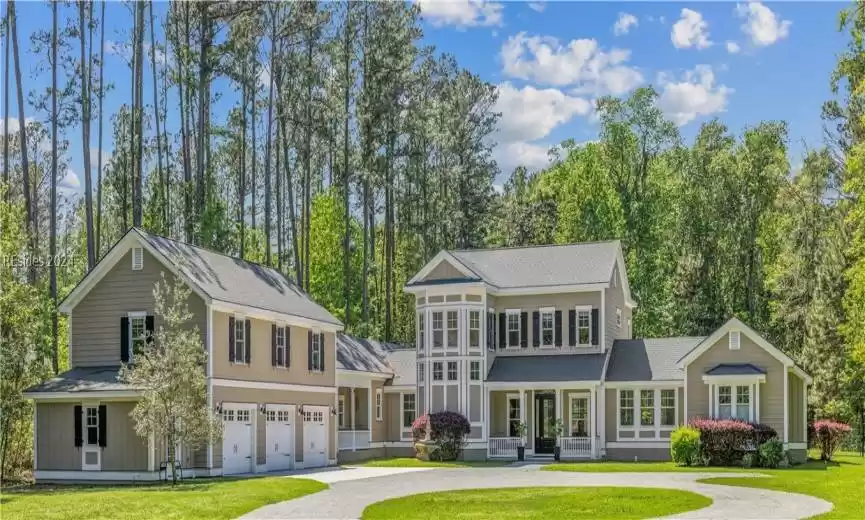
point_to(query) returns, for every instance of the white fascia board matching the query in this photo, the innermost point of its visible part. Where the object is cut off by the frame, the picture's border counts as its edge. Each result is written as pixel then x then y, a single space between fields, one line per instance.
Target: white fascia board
pixel 442 256
pixel 399 389
pixel 644 384
pixel 358 379
pixel 542 385
pixel 116 395
pixel 275 317
pixel 546 289
pixel 735 379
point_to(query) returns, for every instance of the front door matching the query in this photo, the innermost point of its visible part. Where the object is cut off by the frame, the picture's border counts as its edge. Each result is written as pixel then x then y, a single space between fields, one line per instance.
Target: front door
pixel 545 417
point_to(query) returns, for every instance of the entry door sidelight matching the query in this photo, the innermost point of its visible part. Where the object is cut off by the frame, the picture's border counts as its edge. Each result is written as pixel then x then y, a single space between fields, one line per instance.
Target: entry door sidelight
pixel 545 417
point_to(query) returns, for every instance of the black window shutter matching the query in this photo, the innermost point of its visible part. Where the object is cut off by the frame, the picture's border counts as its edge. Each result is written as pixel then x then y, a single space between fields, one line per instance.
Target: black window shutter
pixel 572 327
pixel 322 349
pixel 503 330
pixel 273 344
pixel 248 340
pixel 558 328
pixel 150 325
pixel 595 335
pixel 79 432
pixel 536 328
pixel 103 426
pixel 309 350
pixel 288 346
pixel 231 339
pixel 124 339
pixel 524 333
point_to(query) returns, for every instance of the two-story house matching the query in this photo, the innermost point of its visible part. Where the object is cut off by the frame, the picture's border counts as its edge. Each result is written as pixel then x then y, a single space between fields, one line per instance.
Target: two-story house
pixel 536 335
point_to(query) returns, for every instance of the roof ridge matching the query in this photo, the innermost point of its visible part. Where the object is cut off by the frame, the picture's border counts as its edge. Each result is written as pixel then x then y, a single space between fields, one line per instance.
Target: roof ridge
pixel 538 246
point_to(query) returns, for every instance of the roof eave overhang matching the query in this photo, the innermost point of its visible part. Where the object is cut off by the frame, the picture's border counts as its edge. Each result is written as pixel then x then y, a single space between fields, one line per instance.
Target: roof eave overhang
pixel 276 317
pixel 82 395
pixel 669 383
pixel 542 385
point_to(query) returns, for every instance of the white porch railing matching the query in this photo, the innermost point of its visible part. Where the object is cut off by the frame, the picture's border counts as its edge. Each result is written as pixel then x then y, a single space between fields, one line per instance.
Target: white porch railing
pixel 353 439
pixel 505 447
pixel 575 446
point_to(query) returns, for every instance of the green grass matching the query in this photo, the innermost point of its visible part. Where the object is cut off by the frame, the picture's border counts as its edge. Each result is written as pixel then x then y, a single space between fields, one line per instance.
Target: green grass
pixel 541 503
pixel 635 467
pixel 841 482
pixel 212 499
pixel 409 462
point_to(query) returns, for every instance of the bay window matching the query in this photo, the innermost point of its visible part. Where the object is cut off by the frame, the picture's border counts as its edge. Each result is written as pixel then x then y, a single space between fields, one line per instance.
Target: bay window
pixel 438 329
pixel 453 329
pixel 474 329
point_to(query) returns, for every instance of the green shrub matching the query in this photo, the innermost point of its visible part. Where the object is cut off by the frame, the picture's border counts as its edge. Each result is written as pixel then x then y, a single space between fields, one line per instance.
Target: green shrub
pixel 771 453
pixel 751 459
pixel 685 446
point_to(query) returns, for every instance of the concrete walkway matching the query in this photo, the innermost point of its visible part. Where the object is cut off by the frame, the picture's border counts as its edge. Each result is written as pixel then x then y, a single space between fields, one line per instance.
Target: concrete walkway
pixel 357 488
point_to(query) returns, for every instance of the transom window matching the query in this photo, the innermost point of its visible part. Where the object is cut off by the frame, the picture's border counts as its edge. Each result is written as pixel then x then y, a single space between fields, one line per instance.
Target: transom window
pixel 647 407
pixel 438 330
pixel 668 407
pixel 474 329
pixel 453 329
pixel 281 357
pixel 584 327
pixel 408 410
pixel 514 329
pixel 452 370
pixel 626 408
pixel 317 347
pixel 513 415
pixel 438 374
pixel 579 417
pixel 92 425
pixel 137 333
pixel 420 330
pixel 475 371
pixel 239 340
pixel 547 333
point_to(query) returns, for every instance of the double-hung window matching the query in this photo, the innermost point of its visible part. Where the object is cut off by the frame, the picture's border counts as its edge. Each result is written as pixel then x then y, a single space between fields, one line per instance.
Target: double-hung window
pixel 452 370
pixel 743 402
pixel 475 371
pixel 438 329
pixel 317 347
pixel 513 415
pixel 725 402
pixel 420 372
pixel 281 357
pixel 438 374
pixel 453 329
pixel 513 329
pixel 547 322
pixel 626 408
pixel 239 340
pixel 474 329
pixel 408 410
pixel 668 407
pixel 584 327
pixel 647 407
pixel 379 404
pixel 420 331
pixel 137 333
pixel 579 417
pixel 92 416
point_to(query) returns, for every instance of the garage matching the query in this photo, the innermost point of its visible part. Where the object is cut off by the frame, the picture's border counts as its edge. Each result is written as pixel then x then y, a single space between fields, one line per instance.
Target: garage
pixel 315 438
pixel 236 440
pixel 280 438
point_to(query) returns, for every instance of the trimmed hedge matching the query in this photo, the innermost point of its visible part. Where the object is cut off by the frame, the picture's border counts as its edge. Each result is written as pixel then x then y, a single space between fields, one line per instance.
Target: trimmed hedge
pixel 446 429
pixel 828 435
pixel 725 441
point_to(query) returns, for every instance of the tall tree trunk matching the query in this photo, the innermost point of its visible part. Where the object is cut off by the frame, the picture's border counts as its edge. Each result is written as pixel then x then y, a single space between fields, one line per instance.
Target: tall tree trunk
pixel 203 108
pixel 289 183
pixel 254 143
pixel 268 140
pixel 241 195
pixel 138 117
pixel 278 179
pixel 346 169
pixel 53 225
pixel 388 231
pixel 6 161
pixel 85 134
pixel 98 238
pixel 366 167
pixel 22 134
pixel 307 190
pixel 163 178
pixel 188 219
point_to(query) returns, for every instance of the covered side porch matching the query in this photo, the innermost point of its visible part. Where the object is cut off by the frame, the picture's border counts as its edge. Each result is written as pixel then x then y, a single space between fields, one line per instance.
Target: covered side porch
pixel 540 406
pixel 355 408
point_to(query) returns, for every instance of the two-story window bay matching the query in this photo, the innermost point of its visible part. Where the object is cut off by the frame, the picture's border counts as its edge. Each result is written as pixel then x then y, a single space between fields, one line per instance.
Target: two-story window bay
pixel 515 339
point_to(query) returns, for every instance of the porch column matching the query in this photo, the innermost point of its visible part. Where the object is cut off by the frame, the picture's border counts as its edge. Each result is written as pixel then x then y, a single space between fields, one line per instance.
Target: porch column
pixel 523 410
pixel 353 410
pixel 594 419
pixel 559 406
pixel 602 420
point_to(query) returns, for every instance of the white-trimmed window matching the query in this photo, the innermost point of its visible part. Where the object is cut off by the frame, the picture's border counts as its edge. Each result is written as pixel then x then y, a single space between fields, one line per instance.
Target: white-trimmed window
pixel 420 372
pixel 453 329
pixel 438 329
pixel 243 416
pixel 239 340
pixel 584 326
pixel 579 417
pixel 452 371
pixel 513 415
pixel 408 410
pixel 492 331
pixel 281 351
pixel 725 402
pixel 548 320
pixel 420 330
pixel 668 407
pixel 475 371
pixel 474 329
pixel 317 348
pixel 341 411
pixel 742 408
pixel 437 370
pixel 92 425
pixel 735 339
pixel 513 329
pixel 137 258
pixel 619 317
pixel 137 333
pixel 647 408
pixel 378 404
pixel 626 408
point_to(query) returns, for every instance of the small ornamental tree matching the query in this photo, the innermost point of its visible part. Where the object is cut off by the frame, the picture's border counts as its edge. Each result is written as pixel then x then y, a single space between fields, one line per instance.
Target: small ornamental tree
pixel 169 372
pixel 446 429
pixel 829 435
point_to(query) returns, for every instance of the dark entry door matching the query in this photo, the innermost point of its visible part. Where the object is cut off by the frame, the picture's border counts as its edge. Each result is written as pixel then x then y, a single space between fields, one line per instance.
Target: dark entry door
pixel 545 416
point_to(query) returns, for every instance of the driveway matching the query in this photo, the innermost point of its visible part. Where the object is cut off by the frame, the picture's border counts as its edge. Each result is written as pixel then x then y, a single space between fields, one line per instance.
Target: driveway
pixel 357 488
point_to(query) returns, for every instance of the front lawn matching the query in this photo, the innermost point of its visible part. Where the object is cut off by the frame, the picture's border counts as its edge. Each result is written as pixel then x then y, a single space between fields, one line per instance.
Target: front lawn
pixel 213 499
pixel 841 482
pixel 540 503
pixel 410 462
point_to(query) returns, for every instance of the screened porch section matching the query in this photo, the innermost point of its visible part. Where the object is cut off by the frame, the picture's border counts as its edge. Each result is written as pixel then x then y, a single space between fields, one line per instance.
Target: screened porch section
pixel 354 416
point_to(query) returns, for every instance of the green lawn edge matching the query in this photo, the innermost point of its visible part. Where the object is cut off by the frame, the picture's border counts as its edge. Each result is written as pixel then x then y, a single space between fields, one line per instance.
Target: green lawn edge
pixel 639 467
pixel 216 499
pixel 410 462
pixel 529 503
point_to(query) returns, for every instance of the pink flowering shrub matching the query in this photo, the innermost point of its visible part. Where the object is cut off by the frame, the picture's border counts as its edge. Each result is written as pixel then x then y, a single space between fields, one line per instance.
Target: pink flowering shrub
pixel 446 429
pixel 725 441
pixel 828 435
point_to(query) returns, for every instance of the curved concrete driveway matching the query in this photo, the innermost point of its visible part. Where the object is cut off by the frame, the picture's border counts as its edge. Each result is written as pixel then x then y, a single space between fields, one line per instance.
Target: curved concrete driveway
pixel 347 498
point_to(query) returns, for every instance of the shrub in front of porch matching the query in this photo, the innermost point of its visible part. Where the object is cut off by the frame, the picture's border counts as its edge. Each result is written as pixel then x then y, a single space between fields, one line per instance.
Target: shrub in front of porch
pixel 724 442
pixel 828 436
pixel 440 435
pixel 685 446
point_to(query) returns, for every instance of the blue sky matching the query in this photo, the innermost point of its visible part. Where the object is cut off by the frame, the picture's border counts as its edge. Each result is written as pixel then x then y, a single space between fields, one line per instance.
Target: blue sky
pixel 742 63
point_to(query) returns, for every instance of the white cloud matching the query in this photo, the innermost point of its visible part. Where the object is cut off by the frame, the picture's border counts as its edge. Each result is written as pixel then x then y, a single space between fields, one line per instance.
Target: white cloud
pixel 70 181
pixel 13 124
pixel 733 47
pixel 761 24
pixel 462 13
pixel 624 24
pixel 94 158
pixel 690 31
pixel 538 6
pixel 696 94
pixel 529 113
pixel 581 64
pixel 532 156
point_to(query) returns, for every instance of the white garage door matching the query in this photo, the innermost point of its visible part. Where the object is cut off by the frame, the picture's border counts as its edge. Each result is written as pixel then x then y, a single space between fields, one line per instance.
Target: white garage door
pixel 236 440
pixel 280 441
pixel 315 436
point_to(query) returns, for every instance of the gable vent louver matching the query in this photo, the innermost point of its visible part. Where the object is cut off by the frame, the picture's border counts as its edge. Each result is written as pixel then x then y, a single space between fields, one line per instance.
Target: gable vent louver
pixel 735 338
pixel 137 259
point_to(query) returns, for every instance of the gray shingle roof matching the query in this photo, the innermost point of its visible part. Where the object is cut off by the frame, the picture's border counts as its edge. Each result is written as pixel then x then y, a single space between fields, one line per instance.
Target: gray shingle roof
pixel 369 355
pixel 84 379
pixel 648 359
pixel 233 280
pixel 572 367
pixel 735 369
pixel 403 362
pixel 567 264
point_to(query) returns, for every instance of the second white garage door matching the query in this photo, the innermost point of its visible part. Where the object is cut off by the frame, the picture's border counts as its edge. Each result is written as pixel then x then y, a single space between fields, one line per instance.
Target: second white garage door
pixel 315 438
pixel 236 440
pixel 280 438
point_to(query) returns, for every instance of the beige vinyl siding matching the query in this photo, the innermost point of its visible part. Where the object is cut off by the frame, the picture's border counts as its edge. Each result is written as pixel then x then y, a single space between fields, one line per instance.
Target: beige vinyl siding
pixel 498 414
pixel 444 271
pixel 393 417
pixel 124 449
pixel 611 417
pixel 615 298
pixel 795 417
pixel 771 392
pixel 55 437
pixel 261 366
pixel 95 325
pixel 249 395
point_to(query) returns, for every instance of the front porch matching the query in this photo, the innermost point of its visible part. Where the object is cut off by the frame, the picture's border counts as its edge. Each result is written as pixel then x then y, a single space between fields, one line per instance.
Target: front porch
pixel 354 417
pixel 540 409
